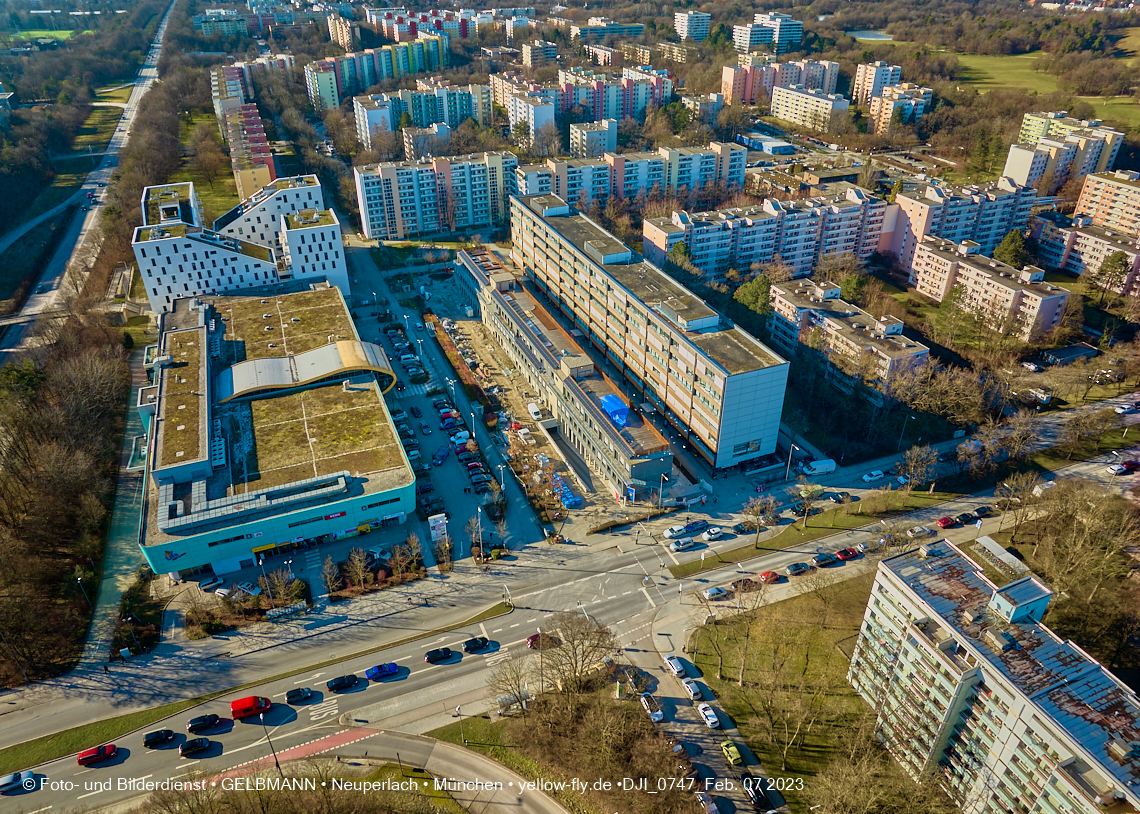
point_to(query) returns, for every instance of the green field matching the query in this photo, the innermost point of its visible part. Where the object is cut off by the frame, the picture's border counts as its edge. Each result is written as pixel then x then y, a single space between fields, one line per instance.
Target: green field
pixel 1129 46
pixel 69 176
pixel 116 95
pixel 220 196
pixel 37 33
pixel 989 72
pixel 95 133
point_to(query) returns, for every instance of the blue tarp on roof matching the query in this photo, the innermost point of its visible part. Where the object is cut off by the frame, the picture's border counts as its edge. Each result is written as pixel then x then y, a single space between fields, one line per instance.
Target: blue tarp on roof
pixel 616 409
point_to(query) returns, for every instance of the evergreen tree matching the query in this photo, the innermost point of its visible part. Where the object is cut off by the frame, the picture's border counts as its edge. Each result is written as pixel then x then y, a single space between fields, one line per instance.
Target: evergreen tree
pixel 1013 250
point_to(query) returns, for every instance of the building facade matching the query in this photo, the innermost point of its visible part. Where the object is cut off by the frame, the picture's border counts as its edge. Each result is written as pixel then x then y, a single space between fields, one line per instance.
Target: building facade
pixel 705 107
pixel 812 109
pixel 344 33
pixel 854 342
pixel 716 385
pixel 753 83
pixel 899 104
pixel 1076 245
pixel 777 31
pixel 538 53
pixel 1058 124
pixel 425 142
pixel 331 80
pixel 1010 300
pixel 966 682
pixel 1111 200
pixel 599 28
pixel 593 139
pixel 871 78
pixel 692 25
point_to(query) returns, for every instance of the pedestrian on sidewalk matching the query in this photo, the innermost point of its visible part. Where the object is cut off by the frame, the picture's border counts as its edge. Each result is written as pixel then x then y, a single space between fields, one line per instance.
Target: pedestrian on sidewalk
pixel 105 670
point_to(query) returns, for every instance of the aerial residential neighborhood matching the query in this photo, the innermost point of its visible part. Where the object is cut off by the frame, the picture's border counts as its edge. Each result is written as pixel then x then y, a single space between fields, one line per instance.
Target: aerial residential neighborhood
pixel 570 409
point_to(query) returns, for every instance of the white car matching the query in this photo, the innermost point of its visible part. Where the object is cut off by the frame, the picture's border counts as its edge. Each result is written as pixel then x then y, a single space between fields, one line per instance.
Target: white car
pixel 673 532
pixel 675 666
pixel 1116 469
pixel 1032 366
pixel 210 584
pixel 919 531
pixel 692 688
pixel 652 708
pixel 873 475
pixel 684 544
pixel 716 593
pixel 713 534
pixel 1124 409
pixel 223 593
pixel 706 802
pixel 16 780
pixel 250 588
pixel 708 715
pixel 903 480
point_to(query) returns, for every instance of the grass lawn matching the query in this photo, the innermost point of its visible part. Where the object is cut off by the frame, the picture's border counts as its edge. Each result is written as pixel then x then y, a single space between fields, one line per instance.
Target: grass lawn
pixel 138 287
pixel 829 522
pixel 96 130
pixel 116 95
pixel 1013 71
pixel 39 33
pixel 439 801
pixel 52 747
pixel 1129 47
pixel 218 197
pixel 1119 109
pixel 823 627
pixel 1114 439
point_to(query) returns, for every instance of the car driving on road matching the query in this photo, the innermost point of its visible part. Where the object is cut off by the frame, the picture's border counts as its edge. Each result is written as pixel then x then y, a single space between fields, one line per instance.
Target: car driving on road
pixel 342 682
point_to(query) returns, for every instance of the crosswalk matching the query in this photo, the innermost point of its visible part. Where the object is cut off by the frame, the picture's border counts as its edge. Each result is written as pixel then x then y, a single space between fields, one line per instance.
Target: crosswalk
pixel 313 561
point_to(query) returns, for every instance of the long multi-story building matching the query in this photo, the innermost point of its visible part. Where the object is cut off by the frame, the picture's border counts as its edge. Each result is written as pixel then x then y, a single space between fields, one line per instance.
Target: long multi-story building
pixel 800 233
pixel 852 340
pixel 672 52
pixel 984 214
pixel 425 142
pixel 778 31
pixel 331 80
pixel 1076 245
pixel 538 53
pixel 1011 300
pixel 238 379
pixel 716 385
pixel 257 219
pixel 637 53
pixel 752 83
pixel 871 78
pixel 704 107
pixel 344 33
pixel 604 56
pixel 1112 200
pixel 591 412
pixel 812 109
pixel 598 28
pixel 593 139
pixel 901 104
pixel 692 25
pixel 1068 154
pixel 431 103
pixel 966 683
pixel 251 156
pixel 178 257
pixel 1058 124
pixel 228 90
pixel 273 62
pixel 580 180
pixel 609 96
pixel 459 193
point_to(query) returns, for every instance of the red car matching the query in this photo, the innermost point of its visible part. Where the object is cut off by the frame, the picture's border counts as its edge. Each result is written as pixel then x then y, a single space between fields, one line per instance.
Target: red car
pixel 946 523
pixel 769 576
pixel 846 554
pixel 96 755
pixel 1131 466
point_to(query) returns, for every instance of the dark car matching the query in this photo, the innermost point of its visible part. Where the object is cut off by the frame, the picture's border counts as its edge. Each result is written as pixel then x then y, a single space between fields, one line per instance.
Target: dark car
pixel 482 488
pixel 982 511
pixel 494 512
pixel 202 723
pixel 400 385
pixel 158 737
pixel 440 404
pixel 437 655
pixel 381 671
pixel 478 643
pixel 966 518
pixel 342 682
pixel 838 497
pixel 417 412
pixel 747 527
pixel 798 509
pixel 797 568
pixel 465 457
pixel 949 455
pixel 193 746
pixel 820 560
pixel 754 788
pixel 424 486
pixel 297 695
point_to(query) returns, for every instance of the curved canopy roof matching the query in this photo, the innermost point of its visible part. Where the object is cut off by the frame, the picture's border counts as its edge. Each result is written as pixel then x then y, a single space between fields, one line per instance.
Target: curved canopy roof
pixel 343 358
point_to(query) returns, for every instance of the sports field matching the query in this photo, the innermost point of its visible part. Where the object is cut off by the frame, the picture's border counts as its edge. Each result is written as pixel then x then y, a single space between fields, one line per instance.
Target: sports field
pixel 1016 71
pixel 38 33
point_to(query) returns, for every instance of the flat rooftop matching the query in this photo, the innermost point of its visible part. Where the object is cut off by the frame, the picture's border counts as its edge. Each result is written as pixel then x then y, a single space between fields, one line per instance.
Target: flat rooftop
pixel 1075 692
pixel 998 272
pixel 272 442
pixel 167 202
pixel 208 237
pixel 308 218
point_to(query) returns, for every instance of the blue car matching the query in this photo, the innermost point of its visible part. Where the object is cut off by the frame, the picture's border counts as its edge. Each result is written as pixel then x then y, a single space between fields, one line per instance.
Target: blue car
pixel 381 671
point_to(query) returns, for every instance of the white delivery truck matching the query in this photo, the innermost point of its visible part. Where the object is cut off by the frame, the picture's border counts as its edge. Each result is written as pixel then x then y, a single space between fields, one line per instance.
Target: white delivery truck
pixel 820 467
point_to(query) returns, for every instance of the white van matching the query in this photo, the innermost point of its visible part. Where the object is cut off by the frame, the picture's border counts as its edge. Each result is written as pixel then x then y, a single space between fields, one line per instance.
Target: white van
pixel 535 413
pixel 409 357
pixel 823 466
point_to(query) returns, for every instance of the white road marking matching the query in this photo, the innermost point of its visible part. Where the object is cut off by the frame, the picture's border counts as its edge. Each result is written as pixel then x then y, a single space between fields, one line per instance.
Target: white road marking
pixel 39 810
pixel 647 596
pixel 516 624
pixel 497 630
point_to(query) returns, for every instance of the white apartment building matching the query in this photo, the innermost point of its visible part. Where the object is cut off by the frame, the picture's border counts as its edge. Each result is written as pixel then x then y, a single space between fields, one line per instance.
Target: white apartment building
pixel 534 179
pixel 704 108
pixel 800 232
pixel 593 139
pixel 1076 245
pixel 692 25
pixel 812 109
pixel 716 385
pixel 312 247
pixel 850 338
pixel 871 78
pixel 966 683
pixel 422 142
pixel 535 112
pixel 538 53
pixel 903 103
pixel 258 218
pixel 779 31
pixel 1112 200
pixel 1058 124
pixel 1017 301
pixel 984 214
pixel 373 115
pixel 401 199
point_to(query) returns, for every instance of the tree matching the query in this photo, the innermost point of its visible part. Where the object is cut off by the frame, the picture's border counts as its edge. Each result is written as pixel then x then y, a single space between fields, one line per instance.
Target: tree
pixel 548 140
pixel 442 551
pixel 330 575
pixel 760 510
pixel 1112 274
pixel 1015 495
pixel 356 568
pixel 415 550
pixel 810 494
pixel 511 678
pixel 756 294
pixel 583 643
pixel 918 464
pixel 1013 251
pixel 896 189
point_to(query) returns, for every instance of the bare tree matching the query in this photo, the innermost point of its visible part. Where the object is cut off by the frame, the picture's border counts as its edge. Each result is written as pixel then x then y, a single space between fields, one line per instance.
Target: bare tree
pixel 918 464
pixel 356 569
pixel 584 641
pixel 415 550
pixel 511 678
pixel 1017 493
pixel 330 575
pixel 759 510
pixel 442 552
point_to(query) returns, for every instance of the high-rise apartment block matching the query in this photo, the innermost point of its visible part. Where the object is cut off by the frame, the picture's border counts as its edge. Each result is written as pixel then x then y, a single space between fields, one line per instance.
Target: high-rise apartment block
pixel 344 33
pixel 1011 300
pixel 778 31
pixel 899 104
pixel 403 199
pixel 1058 124
pixel 433 102
pixel 538 53
pixel 1076 245
pixel 692 25
pixel 179 257
pixel 800 233
pixel 1112 200
pixel 754 81
pixel 704 107
pixel 604 56
pixel 812 109
pixel 593 139
pixel 251 156
pixel 332 80
pixel 871 78
pixel 598 28
pixel 534 114
pixel 425 142
pixel 853 340
pixel 965 682
pixel 984 214
pixel 716 385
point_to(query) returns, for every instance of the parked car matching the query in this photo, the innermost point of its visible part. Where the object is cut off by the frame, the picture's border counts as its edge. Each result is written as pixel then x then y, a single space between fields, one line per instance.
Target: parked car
pixel 1131 466
pixel 731 753
pixel 845 554
pixel 437 655
pixel 746 527
pixel 476 644
pixel 425 428
pixel 966 518
pixel 824 559
pixel 982 511
pixel 210 584
pixel 676 667
pixel 342 683
pixel 158 738
pixel 1116 469
pixel 424 486
pixel 249 588
pixel 873 475
pixel 399 415
pixel 652 708
pixel 797 568
pixel 381 671
pixel 297 695
pixel 769 577
pixel 684 544
pixel 96 755
pixel 946 522
pixel 193 746
pixel 202 723
pixel 713 533
pixel 692 688
pixel 1124 409
pixel 754 788
pixel 706 803
pixel 1031 366
pixel 713 594
pixel 708 715
pixel 838 497
pixel 417 412
pixel 918 532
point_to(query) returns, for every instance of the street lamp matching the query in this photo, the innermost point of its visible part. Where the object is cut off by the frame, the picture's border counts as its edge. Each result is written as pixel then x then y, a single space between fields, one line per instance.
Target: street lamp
pixel 375 301
pixel 459 715
pixel 788 471
pixel 85 596
pixel 661 489
pixel 407 330
pixel 276 762
pixel 903 431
